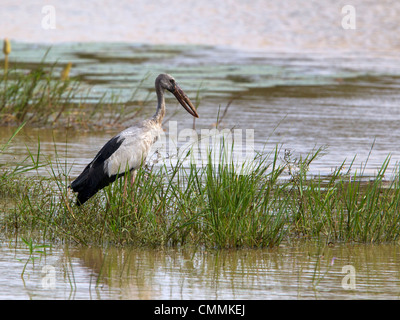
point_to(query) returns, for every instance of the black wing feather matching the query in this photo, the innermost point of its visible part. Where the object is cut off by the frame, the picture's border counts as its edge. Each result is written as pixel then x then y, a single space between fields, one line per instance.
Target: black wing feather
pixel 93 178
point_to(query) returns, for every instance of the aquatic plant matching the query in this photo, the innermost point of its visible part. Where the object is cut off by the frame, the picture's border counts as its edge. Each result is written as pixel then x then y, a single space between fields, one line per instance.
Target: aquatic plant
pixel 46 97
pixel 212 206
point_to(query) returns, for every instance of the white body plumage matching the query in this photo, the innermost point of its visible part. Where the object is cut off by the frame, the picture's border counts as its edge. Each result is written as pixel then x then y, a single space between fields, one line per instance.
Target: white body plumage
pixel 136 144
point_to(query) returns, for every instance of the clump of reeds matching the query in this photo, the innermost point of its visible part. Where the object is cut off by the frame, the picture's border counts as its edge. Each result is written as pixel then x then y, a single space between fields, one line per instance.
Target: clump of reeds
pixel 44 97
pixel 212 206
pixel 38 97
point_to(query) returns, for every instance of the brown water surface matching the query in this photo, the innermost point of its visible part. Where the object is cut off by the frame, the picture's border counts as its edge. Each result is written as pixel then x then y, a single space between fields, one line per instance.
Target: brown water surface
pixel 307 271
pixel 346 103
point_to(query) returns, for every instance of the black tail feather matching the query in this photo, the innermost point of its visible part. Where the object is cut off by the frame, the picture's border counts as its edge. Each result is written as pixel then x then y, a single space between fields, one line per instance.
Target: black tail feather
pixel 89 183
pixel 94 178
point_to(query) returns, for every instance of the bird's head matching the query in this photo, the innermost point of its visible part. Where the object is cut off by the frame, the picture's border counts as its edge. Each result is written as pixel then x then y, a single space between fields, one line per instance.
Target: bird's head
pixel 168 82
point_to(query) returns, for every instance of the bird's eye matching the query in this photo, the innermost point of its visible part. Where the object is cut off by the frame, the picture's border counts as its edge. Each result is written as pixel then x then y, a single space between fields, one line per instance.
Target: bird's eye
pixel 172 81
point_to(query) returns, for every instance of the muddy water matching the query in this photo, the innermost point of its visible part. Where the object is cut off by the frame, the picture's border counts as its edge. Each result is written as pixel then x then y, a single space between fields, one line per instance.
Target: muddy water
pixel 300 272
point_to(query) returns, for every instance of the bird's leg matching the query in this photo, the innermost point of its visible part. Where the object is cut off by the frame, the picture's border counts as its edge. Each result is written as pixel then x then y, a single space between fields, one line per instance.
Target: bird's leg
pixel 133 176
pixel 132 181
pixel 125 186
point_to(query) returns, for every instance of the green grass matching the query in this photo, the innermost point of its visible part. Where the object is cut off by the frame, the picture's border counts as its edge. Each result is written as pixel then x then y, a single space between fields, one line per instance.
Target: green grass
pixel 344 208
pixel 38 95
pixel 175 204
pixel 210 206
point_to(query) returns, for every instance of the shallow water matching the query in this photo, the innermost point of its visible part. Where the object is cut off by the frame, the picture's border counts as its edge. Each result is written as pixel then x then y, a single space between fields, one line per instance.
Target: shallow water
pixel 300 102
pixel 298 272
pixel 294 76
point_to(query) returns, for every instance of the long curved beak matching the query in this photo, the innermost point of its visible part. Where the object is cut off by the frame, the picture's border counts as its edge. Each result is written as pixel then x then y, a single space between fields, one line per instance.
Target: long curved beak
pixel 184 101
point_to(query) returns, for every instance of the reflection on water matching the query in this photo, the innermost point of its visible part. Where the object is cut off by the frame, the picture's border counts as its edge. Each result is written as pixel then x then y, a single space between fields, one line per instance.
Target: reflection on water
pixel 301 272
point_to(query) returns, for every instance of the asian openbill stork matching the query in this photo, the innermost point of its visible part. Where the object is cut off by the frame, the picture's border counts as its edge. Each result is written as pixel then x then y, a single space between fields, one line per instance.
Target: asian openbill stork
pixel 128 149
